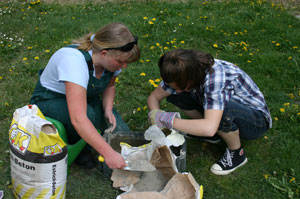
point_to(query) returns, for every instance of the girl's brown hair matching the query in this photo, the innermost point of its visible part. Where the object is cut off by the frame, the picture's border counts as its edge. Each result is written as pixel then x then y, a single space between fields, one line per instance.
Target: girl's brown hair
pixel 186 68
pixel 112 35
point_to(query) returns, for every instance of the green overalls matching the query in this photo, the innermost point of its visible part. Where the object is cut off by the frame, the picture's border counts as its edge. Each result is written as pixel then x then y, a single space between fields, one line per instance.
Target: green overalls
pixel 54 105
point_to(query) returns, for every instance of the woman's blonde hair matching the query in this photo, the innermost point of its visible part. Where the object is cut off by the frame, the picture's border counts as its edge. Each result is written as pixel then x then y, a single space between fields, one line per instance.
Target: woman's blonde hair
pixel 112 35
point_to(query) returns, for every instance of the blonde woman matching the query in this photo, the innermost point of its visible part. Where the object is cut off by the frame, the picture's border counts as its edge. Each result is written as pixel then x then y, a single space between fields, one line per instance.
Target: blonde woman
pixel 77 88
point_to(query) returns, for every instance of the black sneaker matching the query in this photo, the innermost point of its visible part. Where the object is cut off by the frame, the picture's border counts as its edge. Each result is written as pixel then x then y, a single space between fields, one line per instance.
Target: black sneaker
pixel 214 140
pixel 230 161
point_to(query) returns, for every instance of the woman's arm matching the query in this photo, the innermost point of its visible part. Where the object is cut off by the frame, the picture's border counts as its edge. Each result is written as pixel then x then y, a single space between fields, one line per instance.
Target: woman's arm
pixel 77 106
pixel 108 102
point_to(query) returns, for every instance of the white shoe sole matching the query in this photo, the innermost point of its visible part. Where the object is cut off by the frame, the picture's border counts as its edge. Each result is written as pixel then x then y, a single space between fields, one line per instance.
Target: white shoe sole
pixel 225 172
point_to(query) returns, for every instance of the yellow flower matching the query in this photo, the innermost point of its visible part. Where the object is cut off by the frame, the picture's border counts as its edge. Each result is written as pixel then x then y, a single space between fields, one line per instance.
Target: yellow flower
pixel 266 176
pixel 157 80
pixel 145 18
pixel 143 74
pixel 47 51
pixel 290 57
pixel 142 61
pixel 298 114
pixel 117 80
pixel 249 61
pixel 151 22
pixel 164 22
pixel 295 47
pixel 138 109
pixel 292 179
pixel 157 44
pixel 180 24
pixel 275 118
pixel 25 58
pixel 277 44
pixel 66 42
pixel 251 54
pixel 6 104
pixel 29 47
pixel 282 110
pixel 152 47
pixel 1 78
pixel 291 95
pixel 36 58
pixel 166 48
pixel 153 19
pixel 286 104
pixel 73 18
pixel 273 42
pixel 147 60
pixel 182 42
pixel 215 45
pixel 236 33
pixel 145 107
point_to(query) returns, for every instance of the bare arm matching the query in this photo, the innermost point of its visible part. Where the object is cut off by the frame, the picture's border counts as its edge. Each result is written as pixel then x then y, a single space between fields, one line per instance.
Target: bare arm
pixel 77 106
pixel 108 102
pixel 155 97
pixel 200 127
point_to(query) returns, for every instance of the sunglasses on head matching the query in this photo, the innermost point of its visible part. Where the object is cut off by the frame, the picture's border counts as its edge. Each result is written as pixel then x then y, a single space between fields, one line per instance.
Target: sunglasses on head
pixel 127 47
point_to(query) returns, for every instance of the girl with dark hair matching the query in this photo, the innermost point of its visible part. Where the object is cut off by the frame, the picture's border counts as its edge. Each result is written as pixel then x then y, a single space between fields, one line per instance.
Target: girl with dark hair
pixel 218 96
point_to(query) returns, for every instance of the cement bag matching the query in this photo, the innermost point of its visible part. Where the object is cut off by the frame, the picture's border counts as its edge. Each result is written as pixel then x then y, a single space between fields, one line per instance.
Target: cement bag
pixel 38 156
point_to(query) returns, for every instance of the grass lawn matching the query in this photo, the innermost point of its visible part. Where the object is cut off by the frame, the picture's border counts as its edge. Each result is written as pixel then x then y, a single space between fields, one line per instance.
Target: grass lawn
pixel 261 37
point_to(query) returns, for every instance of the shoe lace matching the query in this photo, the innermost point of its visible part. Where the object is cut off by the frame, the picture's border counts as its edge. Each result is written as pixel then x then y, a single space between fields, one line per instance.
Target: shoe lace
pixel 227 158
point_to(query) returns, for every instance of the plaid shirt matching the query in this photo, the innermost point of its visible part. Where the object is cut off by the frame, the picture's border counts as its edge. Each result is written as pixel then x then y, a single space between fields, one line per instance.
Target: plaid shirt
pixel 228 82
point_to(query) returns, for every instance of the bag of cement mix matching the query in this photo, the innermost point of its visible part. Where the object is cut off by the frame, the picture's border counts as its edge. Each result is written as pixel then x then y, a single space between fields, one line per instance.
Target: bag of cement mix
pixel 38 156
pixel 165 182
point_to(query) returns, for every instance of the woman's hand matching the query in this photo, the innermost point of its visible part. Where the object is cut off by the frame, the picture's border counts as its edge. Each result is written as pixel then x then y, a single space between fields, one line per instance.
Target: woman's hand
pixel 111 119
pixel 115 160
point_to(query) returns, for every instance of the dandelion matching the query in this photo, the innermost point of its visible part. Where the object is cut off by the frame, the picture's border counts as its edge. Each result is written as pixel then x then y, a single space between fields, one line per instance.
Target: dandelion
pixel 276 118
pixel 25 58
pixel 266 176
pixel 245 48
pixel 29 47
pixel 291 95
pixel 277 44
pixel 166 48
pixel 6 104
pixel 47 51
pixel 66 42
pixel 153 19
pixel 182 42
pixel 215 45
pixel 152 47
pixel 157 44
pixel 115 13
pixel 142 74
pixel 251 54
pixel 286 104
pixel 117 80
pixel 138 109
pixel 273 42
pixel 144 108
pixel 157 80
pixel 290 57
pixel 236 33
pixel 36 58
pixel 295 47
pixel 147 60
pixel 151 22
pixel 145 18
pixel 298 114
pixel 180 24
pixel 249 61
pixel 1 78
pixel 282 110
pixel 142 61
pixel 292 179
pixel 73 18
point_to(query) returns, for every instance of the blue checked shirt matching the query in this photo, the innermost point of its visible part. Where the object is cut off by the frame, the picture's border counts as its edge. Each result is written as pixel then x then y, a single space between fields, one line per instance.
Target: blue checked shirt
pixel 228 82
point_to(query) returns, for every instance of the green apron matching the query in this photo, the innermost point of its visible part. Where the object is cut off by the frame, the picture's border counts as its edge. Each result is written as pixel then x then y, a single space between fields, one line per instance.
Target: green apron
pixel 54 105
